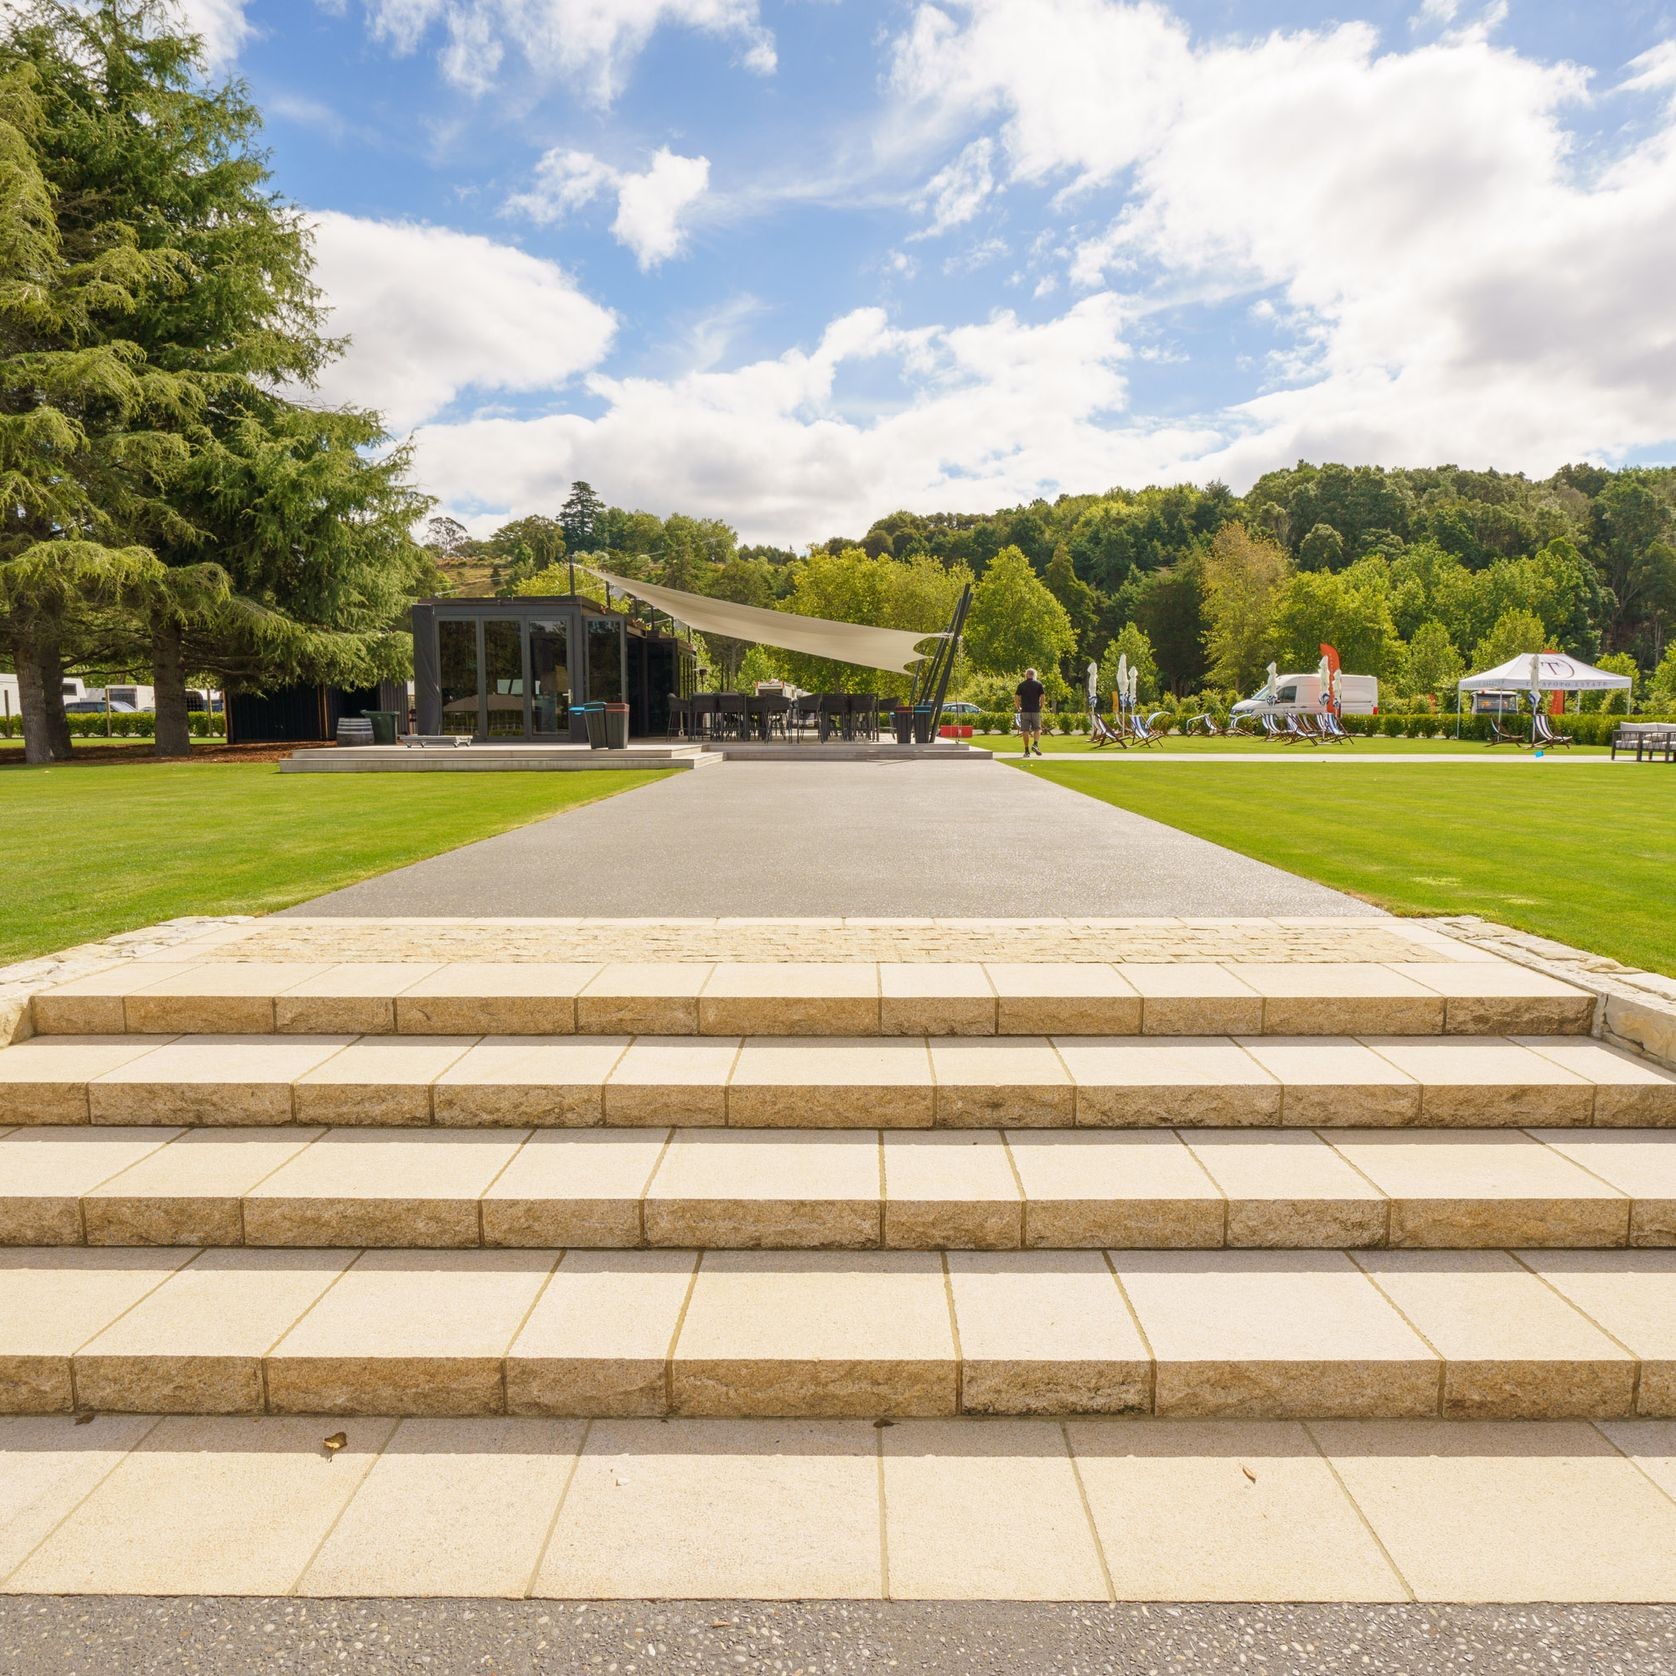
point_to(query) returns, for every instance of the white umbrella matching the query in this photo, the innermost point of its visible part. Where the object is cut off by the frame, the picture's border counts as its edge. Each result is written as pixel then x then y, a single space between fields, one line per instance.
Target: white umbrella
pixel 1122 678
pixel 1094 686
pixel 1134 683
pixel 1326 678
pixel 1273 681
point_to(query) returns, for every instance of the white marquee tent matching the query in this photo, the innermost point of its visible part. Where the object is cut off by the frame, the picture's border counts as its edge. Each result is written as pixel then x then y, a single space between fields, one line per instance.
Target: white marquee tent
pixel 1545 672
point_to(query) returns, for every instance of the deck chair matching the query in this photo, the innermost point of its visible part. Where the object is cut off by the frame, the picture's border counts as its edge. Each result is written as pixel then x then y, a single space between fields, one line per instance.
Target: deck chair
pixel 1335 730
pixel 1150 730
pixel 1302 727
pixel 1239 727
pixel 1204 723
pixel 1274 731
pixel 1101 732
pixel 1542 733
pixel 1500 735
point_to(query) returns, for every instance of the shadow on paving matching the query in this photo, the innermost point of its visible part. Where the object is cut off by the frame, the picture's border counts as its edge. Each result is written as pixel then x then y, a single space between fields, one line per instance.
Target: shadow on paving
pixel 44 1636
pixel 956 840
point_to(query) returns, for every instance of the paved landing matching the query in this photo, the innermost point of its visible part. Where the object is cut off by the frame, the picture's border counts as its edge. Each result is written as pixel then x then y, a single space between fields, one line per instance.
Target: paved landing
pixel 841 838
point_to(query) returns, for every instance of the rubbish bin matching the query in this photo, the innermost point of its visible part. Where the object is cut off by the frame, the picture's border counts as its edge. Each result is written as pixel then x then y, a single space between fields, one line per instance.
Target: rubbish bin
pixel 593 719
pixel 904 720
pixel 616 727
pixel 385 724
pixel 925 720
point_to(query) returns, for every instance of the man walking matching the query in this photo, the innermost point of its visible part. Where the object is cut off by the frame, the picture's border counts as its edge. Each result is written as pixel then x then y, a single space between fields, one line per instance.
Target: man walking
pixel 1027 708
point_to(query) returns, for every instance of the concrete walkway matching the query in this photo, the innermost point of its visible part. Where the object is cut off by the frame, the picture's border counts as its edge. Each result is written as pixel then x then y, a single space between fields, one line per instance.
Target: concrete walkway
pixel 841 838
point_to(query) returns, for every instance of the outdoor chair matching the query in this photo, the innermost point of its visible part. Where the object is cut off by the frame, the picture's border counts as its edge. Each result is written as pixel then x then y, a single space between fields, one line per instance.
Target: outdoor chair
pixel 834 708
pixel 1203 723
pixel 1543 734
pixel 702 715
pixel 776 708
pixel 680 717
pixel 1334 730
pixel 732 716
pixel 1500 735
pixel 1300 727
pixel 864 716
pixel 1101 732
pixel 1275 732
pixel 805 713
pixel 1150 730
pixel 1239 727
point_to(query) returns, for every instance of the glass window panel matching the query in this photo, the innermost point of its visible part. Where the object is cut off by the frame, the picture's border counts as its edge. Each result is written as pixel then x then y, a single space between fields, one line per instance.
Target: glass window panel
pixel 503 659
pixel 457 664
pixel 605 659
pixel 550 677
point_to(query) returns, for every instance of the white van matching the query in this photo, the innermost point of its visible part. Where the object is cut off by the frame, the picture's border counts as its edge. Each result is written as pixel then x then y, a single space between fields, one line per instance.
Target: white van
pixel 1287 694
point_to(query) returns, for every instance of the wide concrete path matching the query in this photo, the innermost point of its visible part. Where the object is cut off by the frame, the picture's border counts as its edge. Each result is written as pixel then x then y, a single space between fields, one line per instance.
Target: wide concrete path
pixel 842 838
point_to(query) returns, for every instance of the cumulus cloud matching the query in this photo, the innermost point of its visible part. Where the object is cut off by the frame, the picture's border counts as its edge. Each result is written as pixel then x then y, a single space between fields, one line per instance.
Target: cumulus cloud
pixel 590 43
pixel 956 193
pixel 1454 282
pixel 436 315
pixel 987 413
pixel 651 205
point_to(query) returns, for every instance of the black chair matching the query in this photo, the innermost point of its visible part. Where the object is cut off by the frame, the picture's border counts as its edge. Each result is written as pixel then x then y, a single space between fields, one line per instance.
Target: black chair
pixel 702 715
pixel 732 715
pixel 864 716
pixel 834 708
pixel 805 713
pixel 776 710
pixel 680 717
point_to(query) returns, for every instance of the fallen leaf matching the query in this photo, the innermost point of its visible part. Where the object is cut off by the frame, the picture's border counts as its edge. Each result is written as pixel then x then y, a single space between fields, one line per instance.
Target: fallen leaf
pixel 721 1623
pixel 1249 1473
pixel 87 1418
pixel 879 1425
pixel 335 1442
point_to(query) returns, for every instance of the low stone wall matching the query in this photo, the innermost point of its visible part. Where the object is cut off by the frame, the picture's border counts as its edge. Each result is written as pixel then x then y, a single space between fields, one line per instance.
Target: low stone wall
pixel 1634 1009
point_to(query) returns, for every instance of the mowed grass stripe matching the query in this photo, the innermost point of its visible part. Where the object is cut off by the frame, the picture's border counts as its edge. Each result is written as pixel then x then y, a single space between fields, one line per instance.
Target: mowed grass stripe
pixel 1584 858
pixel 100 849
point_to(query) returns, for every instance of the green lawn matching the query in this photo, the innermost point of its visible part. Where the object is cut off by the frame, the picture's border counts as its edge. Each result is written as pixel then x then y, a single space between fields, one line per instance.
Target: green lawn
pixel 1078 745
pixel 100 849
pixel 1585 856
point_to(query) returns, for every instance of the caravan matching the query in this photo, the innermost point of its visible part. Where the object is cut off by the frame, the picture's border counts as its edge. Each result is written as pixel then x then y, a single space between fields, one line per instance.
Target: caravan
pixel 1288 695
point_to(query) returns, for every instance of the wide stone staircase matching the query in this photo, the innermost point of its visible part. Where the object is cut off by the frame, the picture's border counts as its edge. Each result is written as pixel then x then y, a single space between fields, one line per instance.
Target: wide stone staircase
pixel 885 1170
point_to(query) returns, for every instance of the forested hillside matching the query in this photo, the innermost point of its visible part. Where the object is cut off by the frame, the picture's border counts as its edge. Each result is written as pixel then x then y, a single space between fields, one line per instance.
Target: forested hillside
pixel 1415 575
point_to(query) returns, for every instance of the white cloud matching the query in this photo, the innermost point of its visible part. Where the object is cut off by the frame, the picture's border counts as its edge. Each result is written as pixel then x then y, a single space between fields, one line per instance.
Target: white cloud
pixel 221 24
pixel 1457 278
pixel 1653 70
pixel 1440 12
pixel 987 414
pixel 650 205
pixel 436 314
pixel 956 193
pixel 590 43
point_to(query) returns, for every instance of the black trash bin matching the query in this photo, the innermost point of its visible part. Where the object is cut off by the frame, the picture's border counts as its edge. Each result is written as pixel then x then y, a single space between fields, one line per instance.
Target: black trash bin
pixel 384 725
pixel 903 717
pixel 616 727
pixel 925 720
pixel 593 719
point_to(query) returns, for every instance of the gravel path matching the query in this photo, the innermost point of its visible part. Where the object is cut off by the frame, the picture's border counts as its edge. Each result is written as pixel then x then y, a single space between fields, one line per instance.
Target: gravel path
pixel 145 1637
pixel 842 838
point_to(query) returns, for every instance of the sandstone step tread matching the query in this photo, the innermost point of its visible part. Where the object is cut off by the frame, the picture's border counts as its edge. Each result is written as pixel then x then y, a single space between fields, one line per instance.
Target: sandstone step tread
pixel 1434 992
pixel 975 1189
pixel 829 1081
pixel 1273 1335
pixel 1020 1509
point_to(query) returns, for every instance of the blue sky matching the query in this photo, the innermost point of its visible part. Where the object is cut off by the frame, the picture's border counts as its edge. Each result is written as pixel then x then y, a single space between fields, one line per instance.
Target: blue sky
pixel 795 263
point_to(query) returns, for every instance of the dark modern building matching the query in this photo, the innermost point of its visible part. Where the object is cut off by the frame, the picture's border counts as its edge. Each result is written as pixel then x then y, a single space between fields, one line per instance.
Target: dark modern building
pixel 306 713
pixel 512 668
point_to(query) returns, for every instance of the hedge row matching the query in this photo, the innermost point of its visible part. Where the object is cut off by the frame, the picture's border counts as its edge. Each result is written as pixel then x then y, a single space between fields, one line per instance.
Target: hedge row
pixel 1587 729
pixel 124 724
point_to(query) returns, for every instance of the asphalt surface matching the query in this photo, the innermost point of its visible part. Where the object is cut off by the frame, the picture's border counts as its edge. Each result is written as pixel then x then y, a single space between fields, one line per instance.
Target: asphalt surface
pixel 907 838
pixel 214 1637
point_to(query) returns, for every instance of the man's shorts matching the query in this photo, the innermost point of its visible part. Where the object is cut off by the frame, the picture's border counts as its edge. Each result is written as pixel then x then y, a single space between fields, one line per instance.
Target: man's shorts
pixel 1029 721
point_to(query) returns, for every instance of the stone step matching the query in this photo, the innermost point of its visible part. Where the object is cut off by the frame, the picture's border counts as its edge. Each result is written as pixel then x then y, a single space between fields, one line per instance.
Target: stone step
pixel 1418 997
pixel 980 1189
pixel 1255 1334
pixel 832 1082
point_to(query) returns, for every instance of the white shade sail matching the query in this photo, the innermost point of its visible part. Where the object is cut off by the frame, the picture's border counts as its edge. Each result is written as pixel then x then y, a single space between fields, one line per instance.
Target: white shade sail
pixel 895 650
pixel 1545 672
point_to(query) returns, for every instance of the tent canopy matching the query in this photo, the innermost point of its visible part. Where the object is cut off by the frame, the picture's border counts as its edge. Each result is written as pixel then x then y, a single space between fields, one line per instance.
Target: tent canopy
pixel 873 648
pixel 1545 672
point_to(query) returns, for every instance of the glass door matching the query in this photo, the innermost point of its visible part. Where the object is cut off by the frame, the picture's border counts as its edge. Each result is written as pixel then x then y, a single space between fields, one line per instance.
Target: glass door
pixel 550 678
pixel 457 665
pixel 504 684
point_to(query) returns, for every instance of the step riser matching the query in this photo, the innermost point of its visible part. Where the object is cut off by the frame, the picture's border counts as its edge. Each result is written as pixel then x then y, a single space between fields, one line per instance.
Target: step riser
pixel 754 1388
pixel 677 1015
pixel 524 1106
pixel 842 1225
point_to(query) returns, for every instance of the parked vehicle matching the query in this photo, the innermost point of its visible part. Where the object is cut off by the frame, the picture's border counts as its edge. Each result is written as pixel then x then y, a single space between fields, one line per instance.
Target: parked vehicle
pixel 1290 695
pixel 98 707
pixel 962 707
